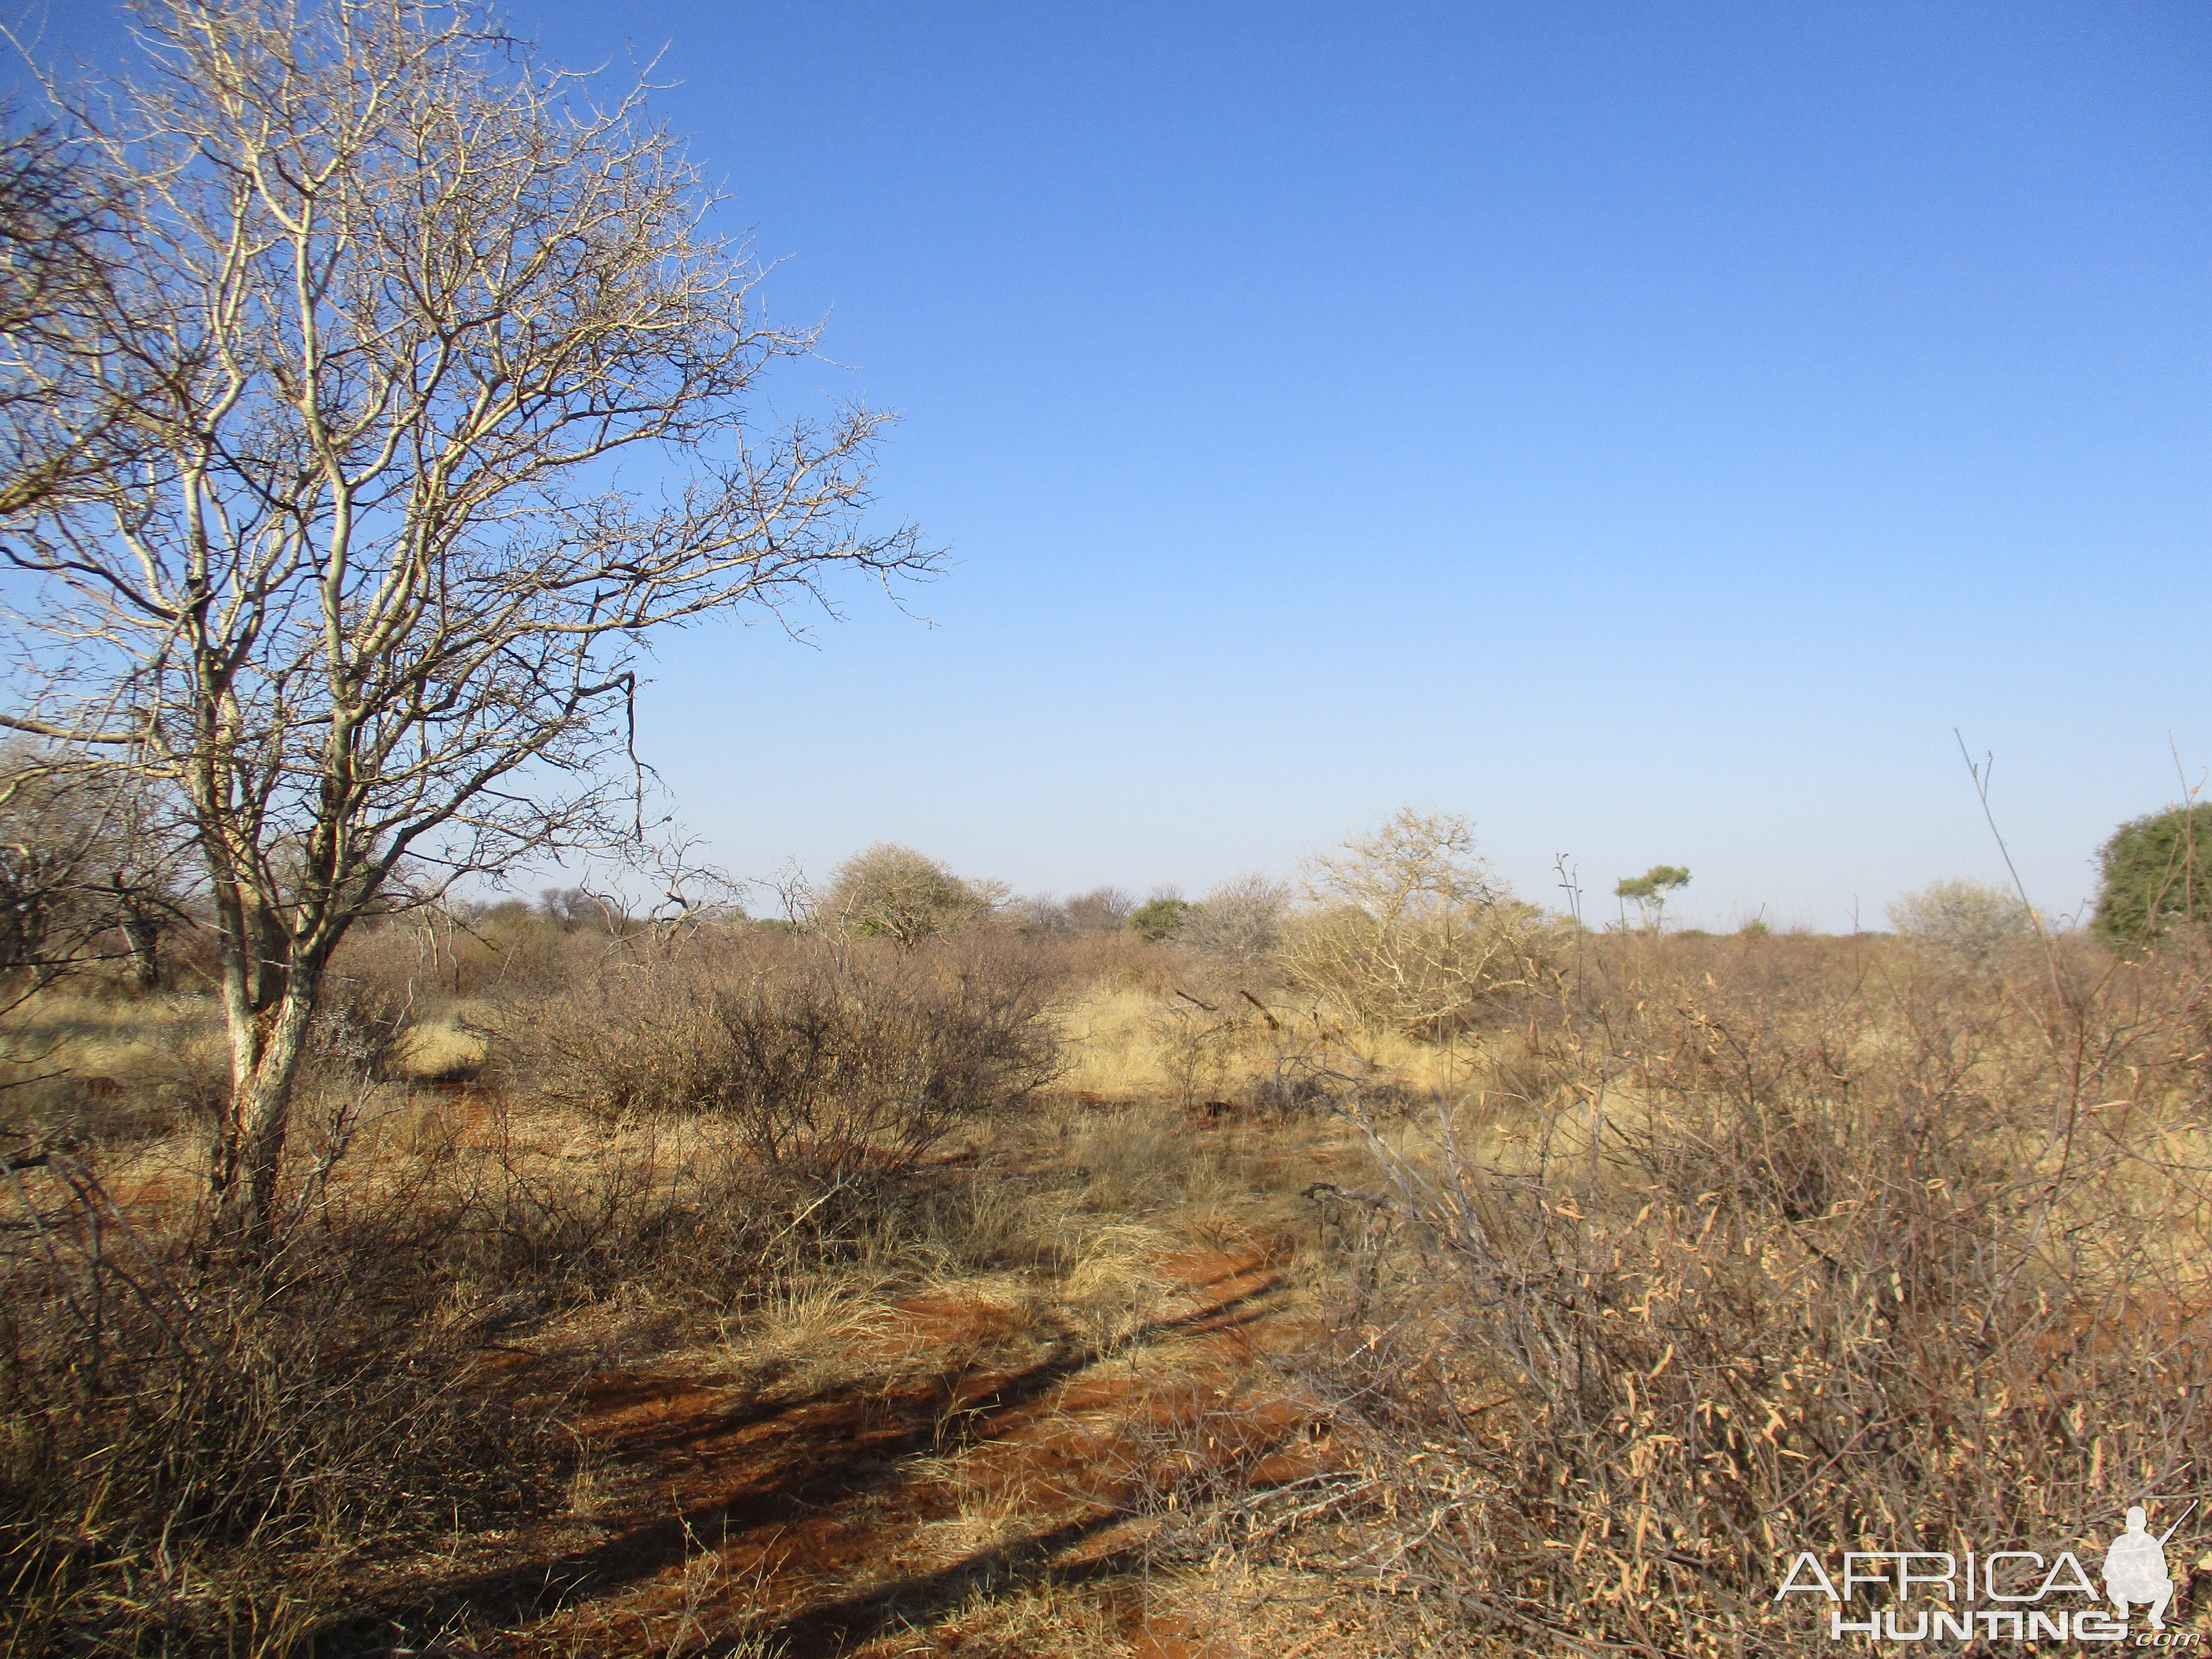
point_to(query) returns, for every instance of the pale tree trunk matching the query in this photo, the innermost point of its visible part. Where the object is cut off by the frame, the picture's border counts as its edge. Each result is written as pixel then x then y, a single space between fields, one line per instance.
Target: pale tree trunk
pixel 261 1111
pixel 270 983
pixel 142 941
pixel 266 1046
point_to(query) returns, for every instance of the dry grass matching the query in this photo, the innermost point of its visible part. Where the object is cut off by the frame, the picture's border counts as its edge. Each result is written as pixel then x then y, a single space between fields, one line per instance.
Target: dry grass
pixel 130 1039
pixel 107 1069
pixel 1041 1618
pixel 451 1044
pixel 1747 1250
pixel 1137 1043
pixel 1594 1311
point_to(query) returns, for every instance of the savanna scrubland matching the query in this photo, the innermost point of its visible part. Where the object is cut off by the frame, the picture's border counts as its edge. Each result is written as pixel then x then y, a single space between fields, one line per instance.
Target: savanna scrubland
pixel 1376 1264
pixel 1381 1264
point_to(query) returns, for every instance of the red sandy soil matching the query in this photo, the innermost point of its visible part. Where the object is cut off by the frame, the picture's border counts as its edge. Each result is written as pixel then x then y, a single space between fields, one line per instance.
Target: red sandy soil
pixel 807 1521
pixel 974 1454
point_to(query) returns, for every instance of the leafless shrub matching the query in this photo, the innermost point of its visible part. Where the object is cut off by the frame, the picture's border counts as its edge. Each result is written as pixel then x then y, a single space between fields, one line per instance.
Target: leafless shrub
pixel 893 892
pixel 1101 910
pixel 1125 960
pixel 1840 1261
pixel 515 951
pixel 1968 926
pixel 823 1054
pixel 90 873
pixel 1238 924
pixel 1198 1047
pixel 173 1435
pixel 1407 931
pixel 374 996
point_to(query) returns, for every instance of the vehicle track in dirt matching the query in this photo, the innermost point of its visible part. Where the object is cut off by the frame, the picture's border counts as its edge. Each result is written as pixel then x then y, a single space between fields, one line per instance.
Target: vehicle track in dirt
pixel 882 1513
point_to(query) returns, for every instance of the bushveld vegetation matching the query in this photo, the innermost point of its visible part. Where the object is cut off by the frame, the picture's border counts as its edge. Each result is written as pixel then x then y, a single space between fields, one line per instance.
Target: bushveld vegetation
pixel 1566 1285
pixel 1380 1264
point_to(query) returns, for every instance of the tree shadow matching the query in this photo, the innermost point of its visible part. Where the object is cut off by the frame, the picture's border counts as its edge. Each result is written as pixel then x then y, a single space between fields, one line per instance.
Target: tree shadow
pixel 847 1442
pixel 829 1628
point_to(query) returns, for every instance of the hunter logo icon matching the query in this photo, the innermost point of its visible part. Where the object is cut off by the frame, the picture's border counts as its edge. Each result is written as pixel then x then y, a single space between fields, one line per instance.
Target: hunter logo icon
pixel 2134 1568
pixel 2008 1594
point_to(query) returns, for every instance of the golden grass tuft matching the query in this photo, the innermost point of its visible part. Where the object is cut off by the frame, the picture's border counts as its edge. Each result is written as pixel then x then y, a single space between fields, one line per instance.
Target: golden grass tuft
pixel 1131 1043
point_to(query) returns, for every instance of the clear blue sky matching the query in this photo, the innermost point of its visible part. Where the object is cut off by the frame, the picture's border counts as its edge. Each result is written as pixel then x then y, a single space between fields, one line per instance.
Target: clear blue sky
pixel 1649 430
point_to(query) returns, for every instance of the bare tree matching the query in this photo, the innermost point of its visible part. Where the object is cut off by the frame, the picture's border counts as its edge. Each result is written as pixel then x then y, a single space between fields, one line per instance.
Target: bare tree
pixel 1101 910
pixel 57 240
pixel 441 387
pixel 894 892
pixel 89 872
pixel 1239 923
pixel 1406 927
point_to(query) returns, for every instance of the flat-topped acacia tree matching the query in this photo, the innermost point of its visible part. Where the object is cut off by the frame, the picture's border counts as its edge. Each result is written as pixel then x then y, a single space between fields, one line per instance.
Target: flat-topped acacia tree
pixel 441 392
pixel 1651 891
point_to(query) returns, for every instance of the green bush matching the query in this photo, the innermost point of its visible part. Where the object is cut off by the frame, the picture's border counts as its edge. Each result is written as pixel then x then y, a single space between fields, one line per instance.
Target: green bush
pixel 2155 874
pixel 1159 918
